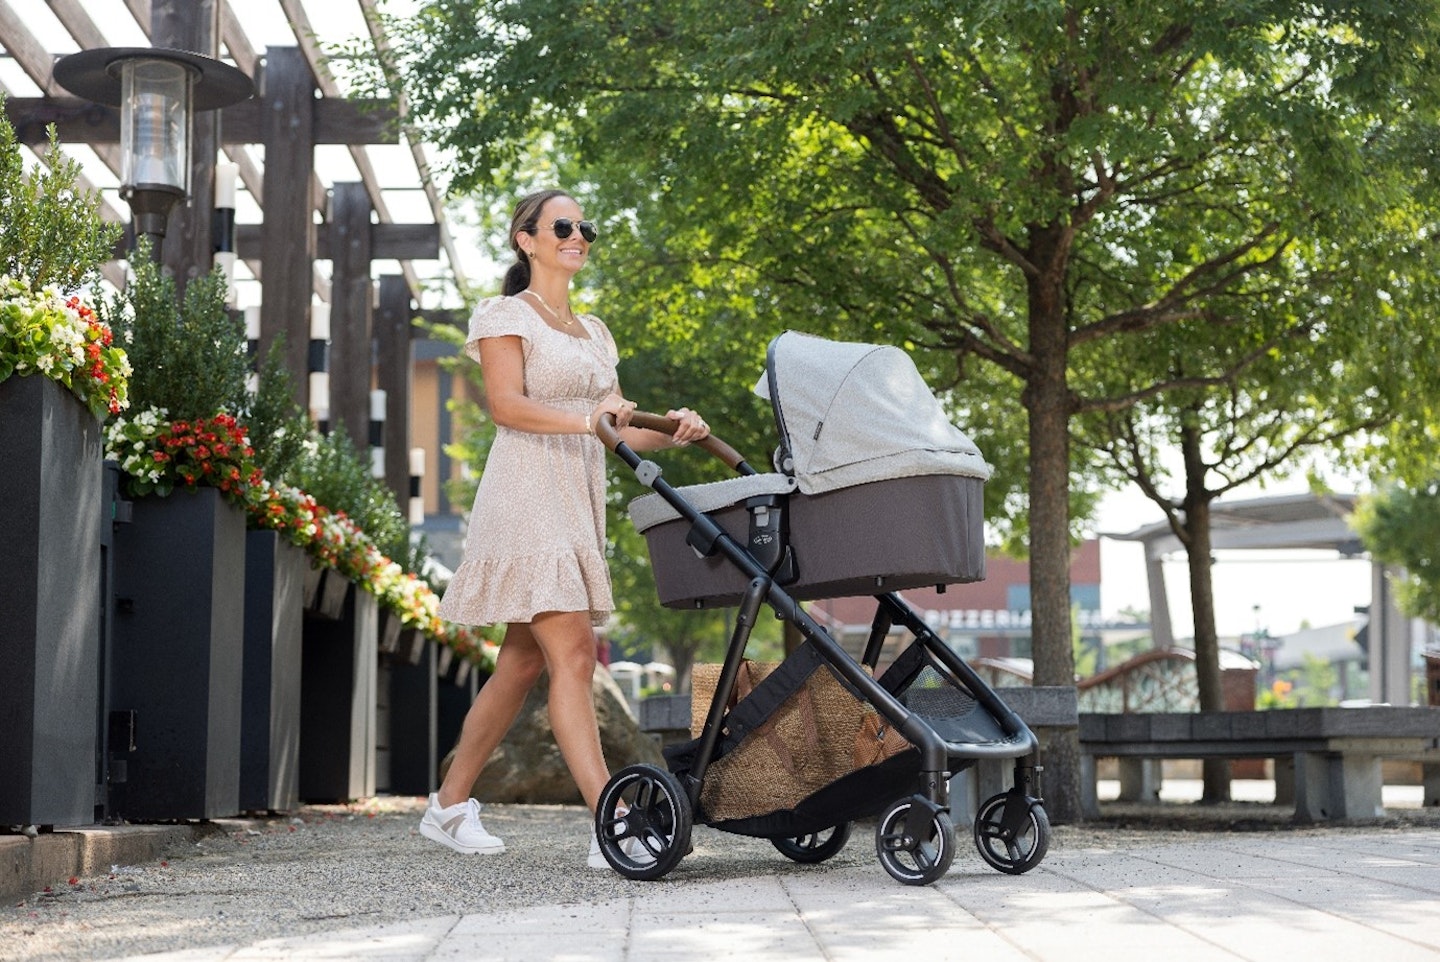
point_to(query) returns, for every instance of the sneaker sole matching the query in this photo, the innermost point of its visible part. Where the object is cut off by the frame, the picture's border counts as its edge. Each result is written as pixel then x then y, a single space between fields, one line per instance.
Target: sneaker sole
pixel 439 835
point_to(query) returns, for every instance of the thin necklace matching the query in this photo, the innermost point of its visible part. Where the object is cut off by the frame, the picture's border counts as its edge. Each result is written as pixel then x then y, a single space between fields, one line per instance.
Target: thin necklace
pixel 568 320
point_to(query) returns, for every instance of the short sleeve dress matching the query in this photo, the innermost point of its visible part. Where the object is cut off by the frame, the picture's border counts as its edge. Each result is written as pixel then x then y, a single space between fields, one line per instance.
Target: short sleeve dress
pixel 536 535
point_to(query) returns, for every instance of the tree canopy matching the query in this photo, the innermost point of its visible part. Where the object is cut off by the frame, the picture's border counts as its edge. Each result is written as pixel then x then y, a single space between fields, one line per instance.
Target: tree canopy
pixel 1025 192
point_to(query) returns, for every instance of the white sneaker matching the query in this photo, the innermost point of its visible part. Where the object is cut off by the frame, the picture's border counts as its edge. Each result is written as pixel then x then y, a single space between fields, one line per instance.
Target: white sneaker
pixel 458 826
pixel 632 847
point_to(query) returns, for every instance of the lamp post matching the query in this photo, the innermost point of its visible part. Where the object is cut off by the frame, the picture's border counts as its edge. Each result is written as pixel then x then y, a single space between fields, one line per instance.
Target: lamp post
pixel 158 91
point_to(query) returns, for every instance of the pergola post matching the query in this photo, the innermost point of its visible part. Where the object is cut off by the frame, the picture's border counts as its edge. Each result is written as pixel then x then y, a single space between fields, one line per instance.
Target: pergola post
pixel 287 236
pixel 393 376
pixel 352 298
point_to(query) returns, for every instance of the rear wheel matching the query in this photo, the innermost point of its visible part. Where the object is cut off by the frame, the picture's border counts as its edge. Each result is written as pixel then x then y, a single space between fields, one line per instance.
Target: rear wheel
pixel 816 846
pixel 916 843
pixel 1012 841
pixel 643 822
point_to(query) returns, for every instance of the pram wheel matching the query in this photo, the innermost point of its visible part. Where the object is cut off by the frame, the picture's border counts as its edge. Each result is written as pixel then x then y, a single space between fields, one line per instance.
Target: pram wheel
pixel 642 822
pixel 815 847
pixel 915 841
pixel 1012 832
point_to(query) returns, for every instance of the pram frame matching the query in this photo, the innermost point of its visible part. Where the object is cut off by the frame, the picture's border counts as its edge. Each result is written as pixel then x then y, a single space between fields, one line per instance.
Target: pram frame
pixel 708 537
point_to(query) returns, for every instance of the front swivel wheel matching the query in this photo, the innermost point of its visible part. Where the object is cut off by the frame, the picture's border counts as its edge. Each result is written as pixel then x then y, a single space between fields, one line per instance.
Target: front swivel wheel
pixel 915 841
pixel 1012 832
pixel 643 822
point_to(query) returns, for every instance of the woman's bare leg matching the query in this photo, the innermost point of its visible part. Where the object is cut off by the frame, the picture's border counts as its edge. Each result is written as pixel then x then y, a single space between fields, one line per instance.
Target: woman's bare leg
pixel 568 641
pixel 517 667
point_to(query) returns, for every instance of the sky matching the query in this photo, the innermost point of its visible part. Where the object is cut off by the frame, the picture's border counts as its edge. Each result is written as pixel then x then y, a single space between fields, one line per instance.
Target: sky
pixel 1280 591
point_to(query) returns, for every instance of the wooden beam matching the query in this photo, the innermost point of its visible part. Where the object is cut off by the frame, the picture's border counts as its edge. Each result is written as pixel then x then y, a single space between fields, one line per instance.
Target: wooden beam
pixel 352 299
pixel 75 19
pixel 417 147
pixel 393 375
pixel 393 241
pixel 287 253
pixel 337 121
pixel 305 34
pixel 76 121
pixel 352 122
pixel 27 51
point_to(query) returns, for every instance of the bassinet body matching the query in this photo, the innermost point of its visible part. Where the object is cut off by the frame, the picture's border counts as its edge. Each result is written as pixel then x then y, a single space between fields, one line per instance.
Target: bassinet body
pixel 878 491
pixel 868 538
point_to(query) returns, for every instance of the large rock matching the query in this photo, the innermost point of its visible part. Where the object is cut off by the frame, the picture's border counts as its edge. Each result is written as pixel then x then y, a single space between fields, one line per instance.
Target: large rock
pixel 527 767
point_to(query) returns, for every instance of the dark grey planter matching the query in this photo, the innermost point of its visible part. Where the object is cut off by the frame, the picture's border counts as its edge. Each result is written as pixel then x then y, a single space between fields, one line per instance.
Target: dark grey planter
pixel 413 743
pixel 51 478
pixel 177 655
pixel 455 692
pixel 270 721
pixel 337 713
pixel 325 592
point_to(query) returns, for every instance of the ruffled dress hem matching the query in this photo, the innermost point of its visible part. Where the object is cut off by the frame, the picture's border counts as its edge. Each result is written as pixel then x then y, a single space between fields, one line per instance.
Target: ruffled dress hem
pixel 492 591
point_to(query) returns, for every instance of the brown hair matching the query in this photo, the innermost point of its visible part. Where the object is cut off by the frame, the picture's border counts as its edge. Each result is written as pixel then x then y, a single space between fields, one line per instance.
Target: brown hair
pixel 526 219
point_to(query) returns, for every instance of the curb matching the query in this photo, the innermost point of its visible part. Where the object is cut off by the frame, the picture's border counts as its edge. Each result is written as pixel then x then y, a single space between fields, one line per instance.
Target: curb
pixel 28 865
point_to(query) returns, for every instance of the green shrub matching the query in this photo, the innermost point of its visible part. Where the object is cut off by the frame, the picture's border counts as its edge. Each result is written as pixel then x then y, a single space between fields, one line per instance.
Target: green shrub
pixel 279 427
pixel 51 232
pixel 188 358
pixel 337 475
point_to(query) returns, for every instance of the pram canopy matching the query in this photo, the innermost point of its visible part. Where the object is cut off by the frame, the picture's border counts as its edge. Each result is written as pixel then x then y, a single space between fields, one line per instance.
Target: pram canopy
pixel 876 489
pixel 851 413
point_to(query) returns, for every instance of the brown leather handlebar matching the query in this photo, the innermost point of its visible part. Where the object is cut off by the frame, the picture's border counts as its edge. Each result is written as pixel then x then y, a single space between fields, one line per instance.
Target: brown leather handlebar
pixel 606 431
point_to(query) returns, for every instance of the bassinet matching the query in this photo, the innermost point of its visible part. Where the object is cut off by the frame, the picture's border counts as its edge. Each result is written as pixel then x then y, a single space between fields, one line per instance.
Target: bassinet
pixel 877 490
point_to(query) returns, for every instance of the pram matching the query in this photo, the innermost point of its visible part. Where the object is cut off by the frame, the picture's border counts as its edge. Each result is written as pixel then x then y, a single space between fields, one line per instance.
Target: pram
pixel 874 492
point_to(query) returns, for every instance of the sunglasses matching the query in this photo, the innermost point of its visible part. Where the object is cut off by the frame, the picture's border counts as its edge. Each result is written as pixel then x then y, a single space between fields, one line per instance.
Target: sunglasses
pixel 564 227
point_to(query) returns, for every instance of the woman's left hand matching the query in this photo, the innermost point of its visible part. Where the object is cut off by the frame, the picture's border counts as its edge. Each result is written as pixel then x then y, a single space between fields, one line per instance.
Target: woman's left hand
pixel 689 426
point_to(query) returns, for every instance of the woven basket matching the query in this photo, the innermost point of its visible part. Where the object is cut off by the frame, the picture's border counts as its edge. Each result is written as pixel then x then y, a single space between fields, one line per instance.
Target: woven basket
pixel 818 735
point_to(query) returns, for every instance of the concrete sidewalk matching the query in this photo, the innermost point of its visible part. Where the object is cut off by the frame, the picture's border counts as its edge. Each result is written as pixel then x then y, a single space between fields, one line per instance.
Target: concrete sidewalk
pixel 1110 892
pixel 1263 898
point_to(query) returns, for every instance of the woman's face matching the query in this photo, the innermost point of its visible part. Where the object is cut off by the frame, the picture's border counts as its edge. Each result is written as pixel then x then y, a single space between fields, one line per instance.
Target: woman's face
pixel 550 250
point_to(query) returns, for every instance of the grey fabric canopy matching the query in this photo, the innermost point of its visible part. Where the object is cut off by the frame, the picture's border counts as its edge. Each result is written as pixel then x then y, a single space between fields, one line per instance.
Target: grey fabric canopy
pixel 854 413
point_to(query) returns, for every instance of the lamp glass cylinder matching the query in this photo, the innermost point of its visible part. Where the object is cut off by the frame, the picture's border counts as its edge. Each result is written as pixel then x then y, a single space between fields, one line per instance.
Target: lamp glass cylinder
pixel 155 125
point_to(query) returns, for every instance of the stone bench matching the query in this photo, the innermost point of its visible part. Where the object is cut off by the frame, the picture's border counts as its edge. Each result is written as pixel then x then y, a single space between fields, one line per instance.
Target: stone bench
pixel 1327 759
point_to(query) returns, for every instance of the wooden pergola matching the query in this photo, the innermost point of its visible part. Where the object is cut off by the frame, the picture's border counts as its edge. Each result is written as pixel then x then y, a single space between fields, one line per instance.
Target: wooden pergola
pixel 316 241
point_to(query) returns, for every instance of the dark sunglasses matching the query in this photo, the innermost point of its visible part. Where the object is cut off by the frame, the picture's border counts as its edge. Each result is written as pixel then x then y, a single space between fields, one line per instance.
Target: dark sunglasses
pixel 564 227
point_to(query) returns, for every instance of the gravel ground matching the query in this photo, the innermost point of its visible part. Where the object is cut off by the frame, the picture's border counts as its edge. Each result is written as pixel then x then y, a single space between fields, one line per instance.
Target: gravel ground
pixel 339 867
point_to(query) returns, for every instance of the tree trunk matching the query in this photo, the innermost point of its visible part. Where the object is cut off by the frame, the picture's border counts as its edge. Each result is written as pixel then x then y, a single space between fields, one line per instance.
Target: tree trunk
pixel 1047 400
pixel 682 658
pixel 1202 599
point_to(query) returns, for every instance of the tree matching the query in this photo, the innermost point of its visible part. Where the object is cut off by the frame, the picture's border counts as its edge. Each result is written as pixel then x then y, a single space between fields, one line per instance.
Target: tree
pixel 1028 184
pixel 1400 525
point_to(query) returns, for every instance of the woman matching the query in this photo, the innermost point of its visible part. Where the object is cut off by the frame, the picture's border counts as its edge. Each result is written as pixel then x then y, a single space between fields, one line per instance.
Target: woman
pixel 535 548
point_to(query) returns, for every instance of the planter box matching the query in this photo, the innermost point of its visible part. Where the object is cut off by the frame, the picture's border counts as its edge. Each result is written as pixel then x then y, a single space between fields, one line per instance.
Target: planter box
pixel 177 655
pixel 453 697
pixel 51 450
pixel 414 700
pixel 325 592
pixel 270 722
pixel 337 713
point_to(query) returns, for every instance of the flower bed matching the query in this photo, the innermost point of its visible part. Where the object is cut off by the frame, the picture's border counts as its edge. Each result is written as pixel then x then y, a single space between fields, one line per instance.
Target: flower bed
pixel 160 456
pixel 60 337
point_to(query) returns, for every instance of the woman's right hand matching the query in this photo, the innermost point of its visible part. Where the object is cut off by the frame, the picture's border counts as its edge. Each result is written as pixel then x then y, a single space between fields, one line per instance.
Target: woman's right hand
pixel 614 405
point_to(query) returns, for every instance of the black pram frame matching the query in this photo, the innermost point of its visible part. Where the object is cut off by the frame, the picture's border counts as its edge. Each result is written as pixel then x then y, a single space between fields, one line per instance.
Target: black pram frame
pixel 646 813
